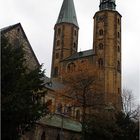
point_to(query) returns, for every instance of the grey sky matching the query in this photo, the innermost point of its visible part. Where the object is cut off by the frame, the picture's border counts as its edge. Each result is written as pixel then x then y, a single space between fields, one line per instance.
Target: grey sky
pixel 38 18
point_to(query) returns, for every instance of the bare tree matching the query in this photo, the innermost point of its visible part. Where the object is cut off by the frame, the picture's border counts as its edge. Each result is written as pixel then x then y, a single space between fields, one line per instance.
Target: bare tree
pixel 80 86
pixel 130 107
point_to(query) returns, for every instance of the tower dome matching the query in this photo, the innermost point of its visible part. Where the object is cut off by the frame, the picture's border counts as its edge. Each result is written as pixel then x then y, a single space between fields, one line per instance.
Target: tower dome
pixel 107 5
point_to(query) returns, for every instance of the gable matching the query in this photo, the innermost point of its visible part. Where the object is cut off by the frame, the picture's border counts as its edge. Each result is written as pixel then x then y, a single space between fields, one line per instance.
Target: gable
pixel 18 38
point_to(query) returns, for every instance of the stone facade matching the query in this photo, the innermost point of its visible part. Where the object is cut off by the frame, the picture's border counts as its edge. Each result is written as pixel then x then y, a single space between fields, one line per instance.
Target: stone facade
pixel 107 47
pixel 65 44
pixel 17 38
pixel 42 130
pixel 105 56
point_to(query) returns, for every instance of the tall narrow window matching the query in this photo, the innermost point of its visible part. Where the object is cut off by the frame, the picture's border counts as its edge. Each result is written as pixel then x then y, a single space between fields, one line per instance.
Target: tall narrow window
pixel 100 62
pixel 77 114
pixel 118 34
pixel 75 32
pixel 71 67
pixel 58 137
pixel 69 111
pixel 59 108
pixel 118 48
pixel 43 136
pixel 58 42
pixel 56 71
pixel 101 46
pixel 49 105
pixel 74 46
pixel 118 66
pixel 118 21
pixel 57 55
pixel 101 32
pixel 118 90
pixel 59 31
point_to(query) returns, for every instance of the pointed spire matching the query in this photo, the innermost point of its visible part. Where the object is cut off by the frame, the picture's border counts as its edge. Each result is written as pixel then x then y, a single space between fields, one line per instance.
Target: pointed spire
pixel 67 13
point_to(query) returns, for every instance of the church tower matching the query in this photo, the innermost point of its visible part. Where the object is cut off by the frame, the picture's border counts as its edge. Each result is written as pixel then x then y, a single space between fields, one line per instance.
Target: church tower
pixel 107 47
pixel 65 36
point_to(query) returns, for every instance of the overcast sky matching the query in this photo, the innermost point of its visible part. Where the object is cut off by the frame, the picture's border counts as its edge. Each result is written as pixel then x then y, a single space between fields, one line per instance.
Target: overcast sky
pixel 38 18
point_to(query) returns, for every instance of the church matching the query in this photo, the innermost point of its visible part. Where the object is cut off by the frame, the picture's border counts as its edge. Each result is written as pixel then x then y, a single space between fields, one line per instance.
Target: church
pixel 104 57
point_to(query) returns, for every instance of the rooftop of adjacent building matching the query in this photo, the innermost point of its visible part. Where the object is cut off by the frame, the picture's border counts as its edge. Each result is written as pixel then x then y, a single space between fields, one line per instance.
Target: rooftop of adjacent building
pixel 80 54
pixel 55 120
pixel 19 26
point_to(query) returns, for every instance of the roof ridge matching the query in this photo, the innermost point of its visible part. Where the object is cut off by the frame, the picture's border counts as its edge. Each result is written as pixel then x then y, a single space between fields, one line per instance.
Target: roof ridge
pixel 4 29
pixel 77 54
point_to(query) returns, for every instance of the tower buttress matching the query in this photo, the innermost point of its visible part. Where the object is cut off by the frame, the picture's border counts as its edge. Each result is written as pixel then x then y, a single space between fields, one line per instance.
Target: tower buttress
pixel 107 46
pixel 65 37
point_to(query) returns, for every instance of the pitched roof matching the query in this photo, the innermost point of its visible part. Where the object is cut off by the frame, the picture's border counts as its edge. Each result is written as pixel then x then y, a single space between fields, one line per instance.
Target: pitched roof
pixel 55 120
pixel 80 55
pixel 67 13
pixel 6 29
pixel 51 84
pixel 9 28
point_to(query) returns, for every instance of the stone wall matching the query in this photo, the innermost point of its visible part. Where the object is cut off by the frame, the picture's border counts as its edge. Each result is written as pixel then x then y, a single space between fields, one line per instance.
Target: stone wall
pixel 18 38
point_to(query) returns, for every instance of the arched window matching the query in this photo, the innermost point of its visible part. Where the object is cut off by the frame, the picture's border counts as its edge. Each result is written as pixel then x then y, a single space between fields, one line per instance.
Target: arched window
pixel 43 136
pixel 74 45
pixel 56 71
pixel 119 90
pixel 59 108
pixel 118 34
pixel 71 67
pixel 101 46
pixel 69 110
pixel 118 21
pixel 59 31
pixel 118 49
pixel 58 42
pixel 49 105
pixel 75 32
pixel 100 62
pixel 101 32
pixel 57 55
pixel 77 114
pixel 118 66
pixel 58 137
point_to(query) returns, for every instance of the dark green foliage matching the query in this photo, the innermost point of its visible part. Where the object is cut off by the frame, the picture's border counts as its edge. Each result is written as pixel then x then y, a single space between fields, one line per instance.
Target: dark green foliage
pixel 121 128
pixel 129 127
pixel 21 105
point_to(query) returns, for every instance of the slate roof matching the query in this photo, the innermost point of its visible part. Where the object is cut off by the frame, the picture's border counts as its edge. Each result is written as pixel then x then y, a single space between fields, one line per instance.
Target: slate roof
pixel 51 84
pixel 67 13
pixel 55 120
pixel 80 55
